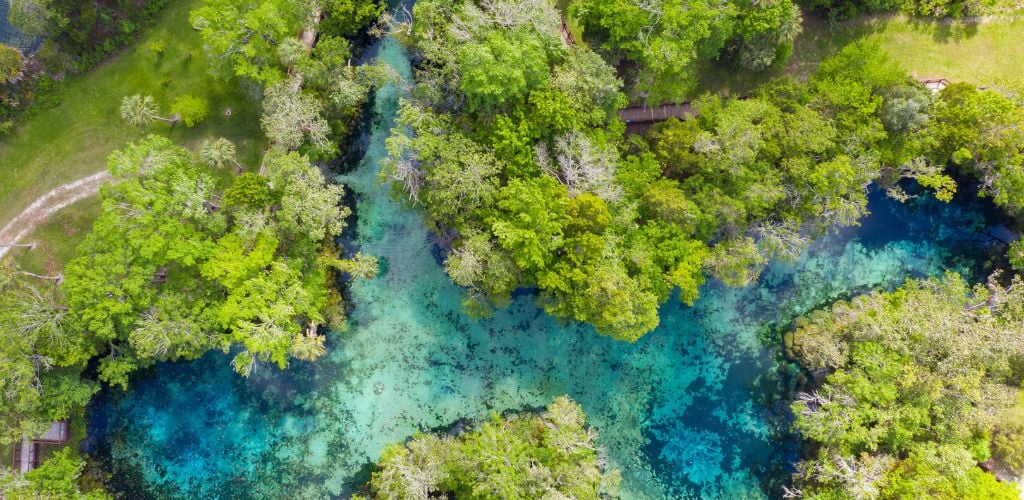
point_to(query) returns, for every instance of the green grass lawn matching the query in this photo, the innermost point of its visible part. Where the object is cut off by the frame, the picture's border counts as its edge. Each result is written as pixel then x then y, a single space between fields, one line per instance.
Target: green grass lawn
pixel 978 53
pixel 57 238
pixel 73 139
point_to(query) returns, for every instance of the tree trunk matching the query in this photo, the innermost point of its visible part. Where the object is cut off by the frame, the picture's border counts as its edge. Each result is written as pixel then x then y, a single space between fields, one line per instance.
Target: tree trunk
pixel 58 278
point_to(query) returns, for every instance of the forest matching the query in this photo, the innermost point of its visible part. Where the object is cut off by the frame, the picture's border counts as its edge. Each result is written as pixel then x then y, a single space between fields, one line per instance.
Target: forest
pixel 511 249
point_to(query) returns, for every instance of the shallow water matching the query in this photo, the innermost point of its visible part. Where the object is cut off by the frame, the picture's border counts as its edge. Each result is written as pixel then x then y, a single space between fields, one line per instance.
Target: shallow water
pixel 697 407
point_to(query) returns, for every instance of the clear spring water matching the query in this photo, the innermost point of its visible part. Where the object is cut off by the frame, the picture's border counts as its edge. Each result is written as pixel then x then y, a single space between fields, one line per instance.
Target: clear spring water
pixel 696 408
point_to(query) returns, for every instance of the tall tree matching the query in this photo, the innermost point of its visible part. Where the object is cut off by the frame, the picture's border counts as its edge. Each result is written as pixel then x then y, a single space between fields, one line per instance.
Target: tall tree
pixel 139 111
pixel 522 456
pixel 980 133
pixel 244 35
pixel 917 379
pixel 42 357
pixel 178 265
pixel 668 39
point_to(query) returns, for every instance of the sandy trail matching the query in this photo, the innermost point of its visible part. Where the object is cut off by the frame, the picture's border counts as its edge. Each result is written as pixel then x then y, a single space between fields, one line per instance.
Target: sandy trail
pixel 47 205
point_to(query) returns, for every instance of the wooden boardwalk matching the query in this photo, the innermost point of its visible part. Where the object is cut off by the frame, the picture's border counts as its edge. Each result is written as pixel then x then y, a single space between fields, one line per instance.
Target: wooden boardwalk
pixel 661 113
pixel 936 84
pixel 28 451
pixel 567 37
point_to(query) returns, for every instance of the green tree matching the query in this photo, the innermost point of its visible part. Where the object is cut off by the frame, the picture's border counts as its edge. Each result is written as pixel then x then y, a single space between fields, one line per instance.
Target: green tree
pixel 35 17
pixel 219 153
pixel 248 191
pixel 168 273
pixel 190 109
pixel 521 456
pixel 666 37
pixel 530 220
pixel 243 35
pixel 917 379
pixel 346 17
pixel 764 32
pixel 41 357
pixel 56 477
pixel 502 69
pixel 139 111
pixel 981 133
pixel 292 118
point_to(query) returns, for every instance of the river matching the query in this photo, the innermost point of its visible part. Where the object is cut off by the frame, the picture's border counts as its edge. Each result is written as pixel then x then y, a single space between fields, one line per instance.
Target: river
pixel 697 407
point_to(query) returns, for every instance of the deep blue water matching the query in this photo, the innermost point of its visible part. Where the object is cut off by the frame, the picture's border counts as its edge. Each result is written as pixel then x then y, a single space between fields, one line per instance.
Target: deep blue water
pixel 697 407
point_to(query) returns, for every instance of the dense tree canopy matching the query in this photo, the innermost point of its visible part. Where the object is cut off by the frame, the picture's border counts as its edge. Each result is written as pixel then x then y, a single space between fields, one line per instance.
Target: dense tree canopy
pixel 980 134
pixel 668 38
pixel 245 34
pixel 917 381
pixel 519 155
pixel 297 51
pixel 760 177
pixel 511 141
pixel 178 264
pixel 42 354
pixel 56 477
pixel 551 454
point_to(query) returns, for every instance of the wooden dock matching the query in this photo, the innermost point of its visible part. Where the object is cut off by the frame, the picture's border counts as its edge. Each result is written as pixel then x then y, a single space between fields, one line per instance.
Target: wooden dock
pixel 27 452
pixel 661 113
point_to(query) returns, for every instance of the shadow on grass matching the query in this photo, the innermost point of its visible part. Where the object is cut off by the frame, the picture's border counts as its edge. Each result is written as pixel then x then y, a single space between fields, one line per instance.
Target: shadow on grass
pixel 945 30
pixel 819 39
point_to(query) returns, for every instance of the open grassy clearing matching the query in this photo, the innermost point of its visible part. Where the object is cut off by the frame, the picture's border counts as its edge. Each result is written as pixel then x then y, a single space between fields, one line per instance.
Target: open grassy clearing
pixel 73 139
pixel 980 52
pixel 57 238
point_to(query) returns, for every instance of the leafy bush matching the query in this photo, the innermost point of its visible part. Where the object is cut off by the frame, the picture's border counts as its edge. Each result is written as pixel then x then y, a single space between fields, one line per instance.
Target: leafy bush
pixel 11 61
pixel 158 47
pixel 190 109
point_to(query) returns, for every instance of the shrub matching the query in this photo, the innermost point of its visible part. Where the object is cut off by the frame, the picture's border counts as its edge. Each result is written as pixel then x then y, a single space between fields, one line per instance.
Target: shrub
pixel 190 109
pixel 158 47
pixel 11 61
pixel 248 191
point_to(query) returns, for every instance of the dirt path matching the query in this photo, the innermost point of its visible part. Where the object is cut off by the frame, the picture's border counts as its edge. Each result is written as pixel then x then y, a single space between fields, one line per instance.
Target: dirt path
pixel 47 205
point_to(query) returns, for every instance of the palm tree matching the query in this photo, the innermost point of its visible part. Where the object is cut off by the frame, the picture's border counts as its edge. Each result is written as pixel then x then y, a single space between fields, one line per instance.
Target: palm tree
pixel 791 25
pixel 219 153
pixel 308 346
pixel 8 272
pixel 139 110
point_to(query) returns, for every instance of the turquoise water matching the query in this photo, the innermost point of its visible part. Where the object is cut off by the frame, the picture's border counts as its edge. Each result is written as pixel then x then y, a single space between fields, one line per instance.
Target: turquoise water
pixel 697 407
